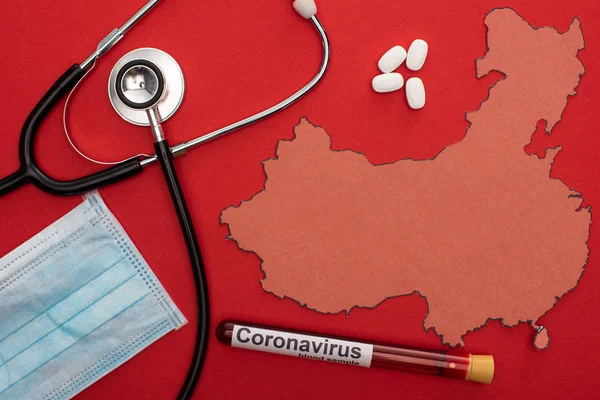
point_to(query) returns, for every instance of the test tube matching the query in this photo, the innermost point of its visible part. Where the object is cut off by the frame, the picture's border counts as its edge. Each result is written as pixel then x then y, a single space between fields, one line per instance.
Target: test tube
pixel 448 363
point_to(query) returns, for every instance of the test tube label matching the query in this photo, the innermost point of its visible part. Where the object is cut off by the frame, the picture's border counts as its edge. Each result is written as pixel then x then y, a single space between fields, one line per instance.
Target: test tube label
pixel 303 346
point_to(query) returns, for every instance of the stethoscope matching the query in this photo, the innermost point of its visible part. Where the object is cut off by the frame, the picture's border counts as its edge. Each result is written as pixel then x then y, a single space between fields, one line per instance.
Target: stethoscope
pixel 146 87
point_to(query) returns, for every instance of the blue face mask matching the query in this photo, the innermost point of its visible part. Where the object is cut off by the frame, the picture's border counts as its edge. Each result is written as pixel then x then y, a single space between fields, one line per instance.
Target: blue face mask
pixel 76 301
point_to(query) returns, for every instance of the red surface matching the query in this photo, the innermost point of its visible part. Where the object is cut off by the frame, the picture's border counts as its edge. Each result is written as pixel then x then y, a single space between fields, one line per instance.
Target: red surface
pixel 240 57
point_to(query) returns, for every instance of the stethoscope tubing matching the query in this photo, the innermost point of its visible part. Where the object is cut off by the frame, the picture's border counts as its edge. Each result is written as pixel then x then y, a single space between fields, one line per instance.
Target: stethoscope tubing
pixel 30 172
pixel 165 158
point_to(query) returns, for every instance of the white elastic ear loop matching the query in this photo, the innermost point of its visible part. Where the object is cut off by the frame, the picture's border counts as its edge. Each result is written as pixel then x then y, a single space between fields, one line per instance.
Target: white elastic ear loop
pixel 306 8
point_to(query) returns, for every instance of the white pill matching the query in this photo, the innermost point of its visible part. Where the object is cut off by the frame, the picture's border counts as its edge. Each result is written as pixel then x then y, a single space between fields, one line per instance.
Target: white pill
pixel 415 93
pixel 388 82
pixel 392 59
pixel 417 53
pixel 306 8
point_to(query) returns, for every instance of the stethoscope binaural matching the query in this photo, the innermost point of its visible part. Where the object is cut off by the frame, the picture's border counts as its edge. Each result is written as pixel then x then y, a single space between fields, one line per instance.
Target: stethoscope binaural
pixel 30 172
pixel 146 87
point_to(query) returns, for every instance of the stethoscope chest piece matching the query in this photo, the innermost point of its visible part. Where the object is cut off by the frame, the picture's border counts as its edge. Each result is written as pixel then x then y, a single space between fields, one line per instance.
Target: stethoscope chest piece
pixel 146 78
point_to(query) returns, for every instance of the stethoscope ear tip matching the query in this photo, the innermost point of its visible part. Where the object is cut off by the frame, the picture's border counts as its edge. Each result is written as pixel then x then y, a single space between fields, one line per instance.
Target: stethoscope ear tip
pixel 143 79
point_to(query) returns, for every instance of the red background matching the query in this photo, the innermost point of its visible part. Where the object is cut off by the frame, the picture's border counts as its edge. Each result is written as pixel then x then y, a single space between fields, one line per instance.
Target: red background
pixel 240 57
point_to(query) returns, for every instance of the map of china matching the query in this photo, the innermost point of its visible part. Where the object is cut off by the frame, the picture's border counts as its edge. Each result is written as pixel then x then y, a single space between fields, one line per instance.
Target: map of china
pixel 481 231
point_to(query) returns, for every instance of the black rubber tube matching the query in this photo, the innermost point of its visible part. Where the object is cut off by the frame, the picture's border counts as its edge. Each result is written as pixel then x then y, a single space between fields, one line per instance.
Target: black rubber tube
pixel 165 158
pixel 29 172
pixel 13 181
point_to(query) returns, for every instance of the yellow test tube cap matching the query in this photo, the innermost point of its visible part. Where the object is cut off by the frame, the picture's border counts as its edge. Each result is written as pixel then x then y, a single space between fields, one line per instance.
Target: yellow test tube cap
pixel 482 369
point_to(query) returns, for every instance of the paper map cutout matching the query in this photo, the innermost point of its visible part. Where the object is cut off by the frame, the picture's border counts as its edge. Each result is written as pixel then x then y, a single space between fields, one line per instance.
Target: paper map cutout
pixel 481 231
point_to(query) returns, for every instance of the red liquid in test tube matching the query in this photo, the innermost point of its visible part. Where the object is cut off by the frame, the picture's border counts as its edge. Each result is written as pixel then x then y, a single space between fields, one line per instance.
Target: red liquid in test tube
pixel 449 363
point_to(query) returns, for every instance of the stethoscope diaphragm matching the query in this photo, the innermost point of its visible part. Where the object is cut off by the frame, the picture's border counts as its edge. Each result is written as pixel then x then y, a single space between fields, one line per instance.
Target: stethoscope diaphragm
pixel 146 78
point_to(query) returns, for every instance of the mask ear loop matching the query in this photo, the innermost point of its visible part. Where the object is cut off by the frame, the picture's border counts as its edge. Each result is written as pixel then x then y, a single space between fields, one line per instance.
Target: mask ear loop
pixel 69 136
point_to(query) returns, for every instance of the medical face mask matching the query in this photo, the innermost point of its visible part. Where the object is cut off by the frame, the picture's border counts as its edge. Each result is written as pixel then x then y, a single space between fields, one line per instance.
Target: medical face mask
pixel 76 301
